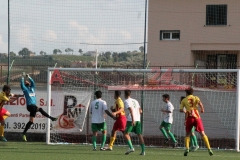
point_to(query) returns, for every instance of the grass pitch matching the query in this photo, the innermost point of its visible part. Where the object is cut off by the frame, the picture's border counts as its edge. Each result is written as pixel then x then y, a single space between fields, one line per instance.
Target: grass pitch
pixel 41 151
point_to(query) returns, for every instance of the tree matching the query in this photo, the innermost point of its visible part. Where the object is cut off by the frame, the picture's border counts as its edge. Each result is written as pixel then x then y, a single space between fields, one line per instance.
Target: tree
pixel 69 50
pixel 56 51
pixel 141 49
pixel 42 53
pixel 12 54
pixel 24 52
pixel 80 51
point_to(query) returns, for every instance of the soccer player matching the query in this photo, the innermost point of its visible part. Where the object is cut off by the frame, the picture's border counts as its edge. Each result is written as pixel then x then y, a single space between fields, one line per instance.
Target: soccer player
pixel 133 122
pixel 98 108
pixel 5 96
pixel 193 138
pixel 168 120
pixel 193 119
pixel 28 88
pixel 121 120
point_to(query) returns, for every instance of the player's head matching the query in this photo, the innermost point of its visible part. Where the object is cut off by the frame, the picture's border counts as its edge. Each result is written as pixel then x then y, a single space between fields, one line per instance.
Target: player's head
pixel 165 97
pixel 181 98
pixel 117 94
pixel 6 89
pixel 98 94
pixel 189 91
pixel 127 93
pixel 27 83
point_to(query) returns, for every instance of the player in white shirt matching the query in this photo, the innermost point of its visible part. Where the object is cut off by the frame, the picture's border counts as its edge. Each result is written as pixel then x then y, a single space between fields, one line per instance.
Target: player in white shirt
pixel 168 120
pixel 98 108
pixel 133 121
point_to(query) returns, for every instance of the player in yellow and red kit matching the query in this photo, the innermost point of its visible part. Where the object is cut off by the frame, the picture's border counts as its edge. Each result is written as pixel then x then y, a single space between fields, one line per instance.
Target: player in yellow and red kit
pixel 121 120
pixel 193 119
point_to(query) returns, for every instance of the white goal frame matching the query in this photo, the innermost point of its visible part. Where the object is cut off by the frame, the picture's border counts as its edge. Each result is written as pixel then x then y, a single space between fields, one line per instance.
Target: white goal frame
pixel 147 71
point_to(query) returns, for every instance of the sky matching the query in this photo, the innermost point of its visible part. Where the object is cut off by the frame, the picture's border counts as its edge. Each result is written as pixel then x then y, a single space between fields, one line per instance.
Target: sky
pixel 105 25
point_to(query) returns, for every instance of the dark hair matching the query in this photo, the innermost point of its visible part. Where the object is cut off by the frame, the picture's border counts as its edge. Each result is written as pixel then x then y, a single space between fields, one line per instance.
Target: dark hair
pixel 117 93
pixel 189 91
pixel 127 92
pixel 181 98
pixel 98 94
pixel 6 88
pixel 166 96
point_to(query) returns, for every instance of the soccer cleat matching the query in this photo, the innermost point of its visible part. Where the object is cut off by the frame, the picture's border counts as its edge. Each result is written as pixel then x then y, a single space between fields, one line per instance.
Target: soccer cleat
pixel 102 149
pixel 192 149
pixel 166 141
pixel 24 137
pixel 94 149
pixel 109 149
pixel 210 152
pixel 142 154
pixel 175 144
pixel 186 152
pixel 53 118
pixel 195 148
pixel 129 151
pixel 3 139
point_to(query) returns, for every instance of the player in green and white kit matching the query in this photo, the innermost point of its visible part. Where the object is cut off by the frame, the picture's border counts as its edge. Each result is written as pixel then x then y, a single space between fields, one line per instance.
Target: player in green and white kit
pixel 168 120
pixel 133 122
pixel 98 108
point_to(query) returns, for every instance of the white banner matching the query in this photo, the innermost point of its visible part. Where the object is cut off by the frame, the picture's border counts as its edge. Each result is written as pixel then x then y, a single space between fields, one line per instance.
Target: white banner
pixel 71 109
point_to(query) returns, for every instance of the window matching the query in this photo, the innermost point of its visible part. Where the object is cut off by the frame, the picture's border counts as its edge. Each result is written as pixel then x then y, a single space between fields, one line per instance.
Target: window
pixel 169 35
pixel 216 14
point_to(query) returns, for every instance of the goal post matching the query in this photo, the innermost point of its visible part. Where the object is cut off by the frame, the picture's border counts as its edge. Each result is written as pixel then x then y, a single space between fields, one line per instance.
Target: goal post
pixel 70 91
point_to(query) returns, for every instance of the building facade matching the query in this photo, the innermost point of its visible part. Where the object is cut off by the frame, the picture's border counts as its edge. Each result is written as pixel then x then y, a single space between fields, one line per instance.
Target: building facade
pixel 190 32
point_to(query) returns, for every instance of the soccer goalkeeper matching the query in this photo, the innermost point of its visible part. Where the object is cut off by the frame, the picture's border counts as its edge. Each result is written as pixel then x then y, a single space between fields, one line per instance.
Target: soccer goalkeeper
pixel 28 88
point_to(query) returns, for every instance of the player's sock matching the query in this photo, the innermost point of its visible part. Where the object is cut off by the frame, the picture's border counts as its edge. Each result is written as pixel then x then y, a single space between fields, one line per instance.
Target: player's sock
pixel 205 139
pixel 94 141
pixel 43 112
pixel 195 142
pixel 104 137
pixel 164 133
pixel 28 125
pixel 172 137
pixel 143 148
pixel 112 140
pixel 192 141
pixel 129 144
pixel 1 131
pixel 187 141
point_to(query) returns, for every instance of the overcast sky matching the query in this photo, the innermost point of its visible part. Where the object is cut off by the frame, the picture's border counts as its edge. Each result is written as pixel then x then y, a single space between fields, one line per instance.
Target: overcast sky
pixel 106 25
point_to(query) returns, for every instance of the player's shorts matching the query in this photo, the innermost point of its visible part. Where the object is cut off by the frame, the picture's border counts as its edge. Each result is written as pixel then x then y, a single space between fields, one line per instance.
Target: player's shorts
pixel 3 111
pixel 120 123
pixel 137 128
pixel 194 122
pixel 99 127
pixel 166 125
pixel 32 109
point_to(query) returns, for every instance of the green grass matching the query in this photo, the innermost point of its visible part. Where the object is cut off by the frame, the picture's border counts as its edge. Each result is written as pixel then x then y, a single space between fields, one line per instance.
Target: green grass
pixel 41 151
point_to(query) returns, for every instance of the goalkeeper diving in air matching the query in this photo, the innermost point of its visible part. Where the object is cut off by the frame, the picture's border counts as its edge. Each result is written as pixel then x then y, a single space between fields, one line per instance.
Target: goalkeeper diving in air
pixel 28 88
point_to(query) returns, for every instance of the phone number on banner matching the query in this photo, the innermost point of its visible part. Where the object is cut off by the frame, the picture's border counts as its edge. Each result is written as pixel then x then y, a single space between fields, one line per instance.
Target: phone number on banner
pixel 22 125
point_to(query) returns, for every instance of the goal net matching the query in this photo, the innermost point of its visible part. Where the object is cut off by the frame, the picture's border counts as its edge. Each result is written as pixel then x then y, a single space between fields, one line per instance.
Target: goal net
pixel 72 89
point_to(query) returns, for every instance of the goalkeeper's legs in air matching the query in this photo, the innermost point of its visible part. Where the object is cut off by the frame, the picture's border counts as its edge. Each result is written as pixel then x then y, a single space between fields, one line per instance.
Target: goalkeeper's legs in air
pixel 33 109
pixel 3 115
